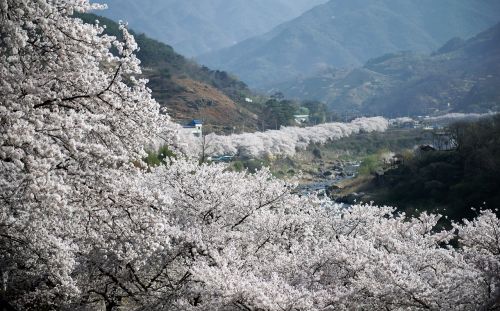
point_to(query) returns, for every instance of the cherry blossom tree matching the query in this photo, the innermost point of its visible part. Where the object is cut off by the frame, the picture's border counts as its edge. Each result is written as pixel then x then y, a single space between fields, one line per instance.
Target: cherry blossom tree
pixel 288 140
pixel 74 121
pixel 244 242
pixel 85 225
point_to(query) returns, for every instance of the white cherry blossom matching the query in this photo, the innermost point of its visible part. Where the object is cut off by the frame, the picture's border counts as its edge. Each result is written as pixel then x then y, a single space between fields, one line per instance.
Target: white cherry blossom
pixel 86 225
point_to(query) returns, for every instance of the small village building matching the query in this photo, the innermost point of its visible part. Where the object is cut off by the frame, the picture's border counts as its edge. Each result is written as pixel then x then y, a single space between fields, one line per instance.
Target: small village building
pixel 301 118
pixel 195 127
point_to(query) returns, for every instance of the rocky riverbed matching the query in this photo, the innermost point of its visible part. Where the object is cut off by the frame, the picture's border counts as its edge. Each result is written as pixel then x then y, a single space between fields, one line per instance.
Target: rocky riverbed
pixel 329 178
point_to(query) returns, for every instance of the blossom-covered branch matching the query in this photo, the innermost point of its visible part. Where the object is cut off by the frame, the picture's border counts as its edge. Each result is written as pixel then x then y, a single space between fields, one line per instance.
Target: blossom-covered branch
pixel 85 225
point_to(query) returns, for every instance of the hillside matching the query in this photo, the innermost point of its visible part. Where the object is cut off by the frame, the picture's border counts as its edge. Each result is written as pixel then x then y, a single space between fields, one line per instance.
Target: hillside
pixel 348 33
pixel 447 182
pixel 187 89
pixel 200 101
pixel 194 27
pixel 460 76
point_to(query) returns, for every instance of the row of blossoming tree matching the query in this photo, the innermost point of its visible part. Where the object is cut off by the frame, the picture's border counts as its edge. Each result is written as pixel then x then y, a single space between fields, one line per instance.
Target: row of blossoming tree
pixel 85 225
pixel 286 141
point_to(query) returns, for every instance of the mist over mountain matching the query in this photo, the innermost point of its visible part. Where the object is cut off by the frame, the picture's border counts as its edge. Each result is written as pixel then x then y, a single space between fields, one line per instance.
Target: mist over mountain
pixel 463 75
pixel 344 33
pixel 194 27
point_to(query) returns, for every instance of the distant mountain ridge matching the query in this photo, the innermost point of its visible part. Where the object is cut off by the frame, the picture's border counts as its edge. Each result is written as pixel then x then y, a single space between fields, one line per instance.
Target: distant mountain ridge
pixel 463 75
pixel 344 33
pixel 194 27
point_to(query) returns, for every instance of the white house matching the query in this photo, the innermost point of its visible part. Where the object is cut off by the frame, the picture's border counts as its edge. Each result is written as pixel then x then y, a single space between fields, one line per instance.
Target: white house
pixel 195 127
pixel 301 118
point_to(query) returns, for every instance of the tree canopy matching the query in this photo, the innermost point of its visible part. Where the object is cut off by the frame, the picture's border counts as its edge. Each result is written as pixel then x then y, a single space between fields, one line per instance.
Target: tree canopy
pixel 86 225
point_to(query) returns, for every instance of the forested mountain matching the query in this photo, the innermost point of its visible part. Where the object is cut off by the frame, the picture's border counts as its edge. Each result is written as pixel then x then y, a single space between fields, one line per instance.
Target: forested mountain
pixel 344 33
pixel 187 89
pixel 461 76
pixel 194 27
